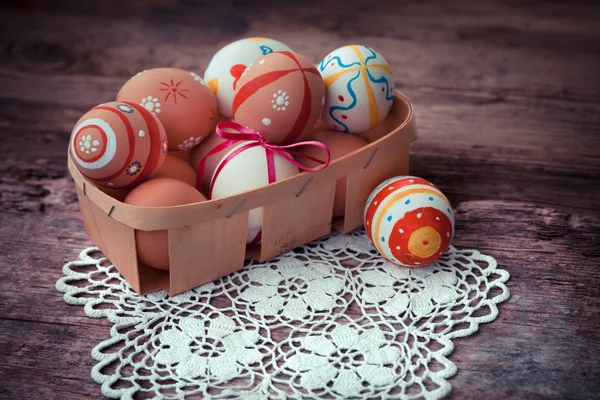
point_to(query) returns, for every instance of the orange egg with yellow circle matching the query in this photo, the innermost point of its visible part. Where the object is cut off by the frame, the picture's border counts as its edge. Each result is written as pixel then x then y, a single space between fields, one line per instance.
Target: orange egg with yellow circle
pixel 409 221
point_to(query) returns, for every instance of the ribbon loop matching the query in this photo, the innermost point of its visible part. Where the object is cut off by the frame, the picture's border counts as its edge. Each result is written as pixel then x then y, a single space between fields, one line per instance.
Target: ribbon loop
pixel 241 132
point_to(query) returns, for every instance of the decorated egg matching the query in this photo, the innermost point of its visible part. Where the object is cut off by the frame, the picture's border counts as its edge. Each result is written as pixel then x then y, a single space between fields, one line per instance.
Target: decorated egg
pixel 281 96
pixel 409 221
pixel 187 108
pixel 205 157
pixel 153 246
pixel 227 66
pixel 360 88
pixel 118 145
pixel 339 145
pixel 248 165
pixel 178 169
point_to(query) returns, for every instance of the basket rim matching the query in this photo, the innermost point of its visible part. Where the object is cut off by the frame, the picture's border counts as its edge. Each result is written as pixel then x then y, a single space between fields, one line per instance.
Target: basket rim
pixel 173 217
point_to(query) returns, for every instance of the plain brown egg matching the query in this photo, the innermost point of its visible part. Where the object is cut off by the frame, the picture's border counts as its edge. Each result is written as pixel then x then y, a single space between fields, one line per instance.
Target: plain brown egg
pixel 319 127
pixel 118 194
pixel 176 168
pixel 339 145
pixel 153 247
pixel 182 155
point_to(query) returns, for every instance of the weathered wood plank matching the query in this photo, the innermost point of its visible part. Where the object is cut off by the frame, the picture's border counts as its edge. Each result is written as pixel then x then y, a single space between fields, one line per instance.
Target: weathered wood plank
pixel 507 98
pixel 548 328
pixel 42 360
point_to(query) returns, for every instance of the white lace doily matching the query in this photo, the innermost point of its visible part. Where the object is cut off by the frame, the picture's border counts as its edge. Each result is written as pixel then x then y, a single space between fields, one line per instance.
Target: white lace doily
pixel 330 320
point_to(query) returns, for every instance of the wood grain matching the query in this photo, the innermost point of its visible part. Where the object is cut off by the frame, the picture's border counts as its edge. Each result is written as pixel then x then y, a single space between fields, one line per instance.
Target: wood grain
pixel 300 219
pixel 507 100
pixel 204 252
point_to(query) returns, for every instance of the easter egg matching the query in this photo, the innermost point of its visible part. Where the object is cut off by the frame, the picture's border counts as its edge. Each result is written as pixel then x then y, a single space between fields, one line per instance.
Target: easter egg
pixel 118 145
pixel 281 96
pixel 247 166
pixel 227 66
pixel 209 153
pixel 339 145
pixel 178 169
pixel 360 88
pixel 186 108
pixel 409 221
pixel 153 246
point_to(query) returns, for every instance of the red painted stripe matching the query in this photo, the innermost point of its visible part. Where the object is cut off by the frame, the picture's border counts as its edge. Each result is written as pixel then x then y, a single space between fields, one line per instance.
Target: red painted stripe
pixel 202 163
pixel 385 192
pixel 310 69
pixel 256 84
pixel 104 138
pixel 292 56
pixel 155 144
pixel 303 116
pixel 256 240
pixel 305 110
pixel 130 138
pixel 224 162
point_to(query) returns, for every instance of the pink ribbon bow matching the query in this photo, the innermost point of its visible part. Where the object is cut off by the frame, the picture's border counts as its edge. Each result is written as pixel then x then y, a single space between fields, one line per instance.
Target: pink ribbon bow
pixel 243 133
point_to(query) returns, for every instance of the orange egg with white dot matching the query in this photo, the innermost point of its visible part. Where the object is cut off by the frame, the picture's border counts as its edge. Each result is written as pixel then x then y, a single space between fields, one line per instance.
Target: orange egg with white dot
pixel 118 145
pixel 179 99
pixel 409 221
pixel 281 95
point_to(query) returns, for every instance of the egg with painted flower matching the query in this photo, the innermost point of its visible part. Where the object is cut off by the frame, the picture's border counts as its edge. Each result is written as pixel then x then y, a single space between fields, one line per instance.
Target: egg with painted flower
pixel 229 63
pixel 409 221
pixel 281 96
pixel 360 88
pixel 118 145
pixel 179 99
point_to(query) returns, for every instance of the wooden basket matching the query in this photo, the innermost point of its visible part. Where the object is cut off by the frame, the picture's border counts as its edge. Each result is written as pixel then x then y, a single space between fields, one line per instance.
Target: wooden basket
pixel 208 240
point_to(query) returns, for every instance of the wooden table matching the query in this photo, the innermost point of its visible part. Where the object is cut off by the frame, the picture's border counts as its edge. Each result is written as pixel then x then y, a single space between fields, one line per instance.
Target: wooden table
pixel 507 97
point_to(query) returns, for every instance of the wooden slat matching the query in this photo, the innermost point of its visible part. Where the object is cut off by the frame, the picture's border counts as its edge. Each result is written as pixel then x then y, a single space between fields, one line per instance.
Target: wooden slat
pixel 207 251
pixel 152 279
pixel 298 220
pixel 119 245
pixel 386 163
pixel 89 221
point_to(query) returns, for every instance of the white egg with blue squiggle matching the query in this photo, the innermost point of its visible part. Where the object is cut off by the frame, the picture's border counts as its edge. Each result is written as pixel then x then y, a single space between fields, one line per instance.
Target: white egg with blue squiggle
pixel 360 88
pixel 229 63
